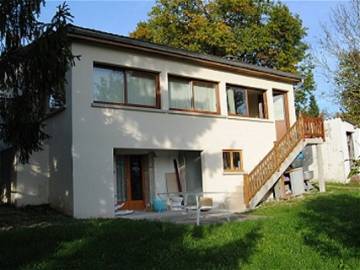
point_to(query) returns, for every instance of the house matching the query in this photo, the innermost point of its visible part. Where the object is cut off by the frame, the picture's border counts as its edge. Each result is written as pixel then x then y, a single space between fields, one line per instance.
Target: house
pixel 341 147
pixel 136 111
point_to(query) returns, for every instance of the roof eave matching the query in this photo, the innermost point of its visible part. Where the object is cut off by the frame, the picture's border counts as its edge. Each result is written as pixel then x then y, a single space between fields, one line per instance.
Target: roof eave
pixel 89 35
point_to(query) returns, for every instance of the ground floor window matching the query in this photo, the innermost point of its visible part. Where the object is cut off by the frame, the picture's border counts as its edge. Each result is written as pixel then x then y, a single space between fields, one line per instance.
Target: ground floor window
pixel 232 160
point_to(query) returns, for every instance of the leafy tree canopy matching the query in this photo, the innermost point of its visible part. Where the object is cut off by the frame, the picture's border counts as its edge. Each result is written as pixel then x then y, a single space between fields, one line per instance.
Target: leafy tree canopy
pixel 305 101
pixel 347 79
pixel 259 32
pixel 34 58
pixel 341 42
pixel 313 107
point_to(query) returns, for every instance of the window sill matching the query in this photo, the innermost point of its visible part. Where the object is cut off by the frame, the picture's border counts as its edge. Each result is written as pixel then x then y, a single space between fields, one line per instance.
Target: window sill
pixel 234 117
pixel 234 173
pixel 214 115
pixel 105 105
pixel 125 107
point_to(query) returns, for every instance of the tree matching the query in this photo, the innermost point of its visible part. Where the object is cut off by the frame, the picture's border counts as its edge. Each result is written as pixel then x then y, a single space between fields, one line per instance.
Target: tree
pixel 347 79
pixel 34 58
pixel 304 91
pixel 259 32
pixel 341 41
pixel 313 109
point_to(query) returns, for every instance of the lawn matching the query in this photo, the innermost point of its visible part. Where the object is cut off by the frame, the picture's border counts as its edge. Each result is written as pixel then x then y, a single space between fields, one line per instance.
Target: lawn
pixel 321 231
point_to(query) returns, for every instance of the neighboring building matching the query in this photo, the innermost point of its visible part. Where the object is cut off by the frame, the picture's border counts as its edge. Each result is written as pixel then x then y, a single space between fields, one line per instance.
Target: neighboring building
pixel 133 107
pixel 342 145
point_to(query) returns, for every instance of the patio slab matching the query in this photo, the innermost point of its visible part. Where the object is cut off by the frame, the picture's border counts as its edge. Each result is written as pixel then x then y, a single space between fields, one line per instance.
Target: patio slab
pixel 189 217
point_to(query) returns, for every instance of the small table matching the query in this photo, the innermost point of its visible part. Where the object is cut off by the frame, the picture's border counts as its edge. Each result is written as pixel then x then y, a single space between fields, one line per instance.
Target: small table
pixel 197 196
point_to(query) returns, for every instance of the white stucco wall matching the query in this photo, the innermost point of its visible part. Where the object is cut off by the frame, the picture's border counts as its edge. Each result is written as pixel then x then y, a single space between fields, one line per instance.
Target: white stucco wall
pixel 60 161
pixel 97 131
pixel 32 180
pixel 347 127
pixel 335 151
pixel 47 178
pixel 357 143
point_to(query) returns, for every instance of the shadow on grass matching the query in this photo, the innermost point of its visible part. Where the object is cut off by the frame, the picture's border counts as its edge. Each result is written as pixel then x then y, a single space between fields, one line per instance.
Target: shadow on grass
pixel 331 223
pixel 123 244
pixel 29 216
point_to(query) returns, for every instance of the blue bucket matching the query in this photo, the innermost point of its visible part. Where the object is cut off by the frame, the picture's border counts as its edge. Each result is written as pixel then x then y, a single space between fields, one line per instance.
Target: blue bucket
pixel 159 205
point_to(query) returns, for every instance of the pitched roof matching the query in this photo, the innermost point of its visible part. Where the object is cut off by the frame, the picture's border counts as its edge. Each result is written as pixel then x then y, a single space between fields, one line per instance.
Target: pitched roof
pixel 86 34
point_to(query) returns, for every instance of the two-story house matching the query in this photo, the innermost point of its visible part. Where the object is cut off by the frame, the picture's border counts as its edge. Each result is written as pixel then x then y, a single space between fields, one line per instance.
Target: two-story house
pixel 135 112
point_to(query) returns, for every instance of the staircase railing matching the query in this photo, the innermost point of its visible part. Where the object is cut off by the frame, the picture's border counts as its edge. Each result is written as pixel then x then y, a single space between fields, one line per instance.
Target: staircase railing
pixel 303 128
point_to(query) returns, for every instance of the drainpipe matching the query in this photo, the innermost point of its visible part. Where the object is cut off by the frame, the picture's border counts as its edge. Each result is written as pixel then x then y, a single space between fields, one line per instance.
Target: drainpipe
pixel 320 168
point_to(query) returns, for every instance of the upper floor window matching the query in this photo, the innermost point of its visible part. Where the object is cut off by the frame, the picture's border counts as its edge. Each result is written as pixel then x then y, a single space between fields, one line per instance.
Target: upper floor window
pixel 125 86
pixel 246 102
pixel 193 95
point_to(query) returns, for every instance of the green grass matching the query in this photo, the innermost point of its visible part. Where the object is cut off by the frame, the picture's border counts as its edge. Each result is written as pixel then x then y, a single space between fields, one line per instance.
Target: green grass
pixel 321 231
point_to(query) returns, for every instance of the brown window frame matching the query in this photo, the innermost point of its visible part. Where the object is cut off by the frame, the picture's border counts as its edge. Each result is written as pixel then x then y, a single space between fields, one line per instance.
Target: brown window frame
pixel 286 104
pixel 245 89
pixel 124 70
pixel 193 81
pixel 232 151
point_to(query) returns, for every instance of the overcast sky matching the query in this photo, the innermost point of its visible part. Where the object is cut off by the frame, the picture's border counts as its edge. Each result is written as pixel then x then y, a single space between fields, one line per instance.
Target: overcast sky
pixel 121 17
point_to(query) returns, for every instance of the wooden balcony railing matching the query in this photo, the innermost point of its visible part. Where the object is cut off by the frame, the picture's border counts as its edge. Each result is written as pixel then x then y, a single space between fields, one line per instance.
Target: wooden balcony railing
pixel 304 127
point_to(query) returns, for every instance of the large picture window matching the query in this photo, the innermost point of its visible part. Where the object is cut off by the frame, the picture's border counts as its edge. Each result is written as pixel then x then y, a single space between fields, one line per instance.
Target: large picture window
pixel 125 86
pixel 246 102
pixel 193 95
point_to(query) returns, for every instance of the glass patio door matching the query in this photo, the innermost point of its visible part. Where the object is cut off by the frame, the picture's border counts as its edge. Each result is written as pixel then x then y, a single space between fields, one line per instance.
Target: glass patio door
pixel 280 114
pixel 130 181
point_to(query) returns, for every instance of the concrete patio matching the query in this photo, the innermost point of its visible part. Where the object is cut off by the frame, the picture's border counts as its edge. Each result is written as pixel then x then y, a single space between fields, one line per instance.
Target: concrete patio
pixel 189 217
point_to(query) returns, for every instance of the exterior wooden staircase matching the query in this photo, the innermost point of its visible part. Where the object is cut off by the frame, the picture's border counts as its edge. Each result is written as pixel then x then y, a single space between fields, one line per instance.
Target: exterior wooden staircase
pixel 261 179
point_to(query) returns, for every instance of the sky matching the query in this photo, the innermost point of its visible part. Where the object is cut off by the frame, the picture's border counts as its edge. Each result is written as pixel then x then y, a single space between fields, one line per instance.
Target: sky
pixel 121 17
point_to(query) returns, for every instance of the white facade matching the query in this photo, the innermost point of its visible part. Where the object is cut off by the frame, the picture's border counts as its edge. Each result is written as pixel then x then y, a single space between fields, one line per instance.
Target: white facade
pixel 335 151
pixel 97 131
pixel 32 181
pixel 47 178
pixel 78 163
